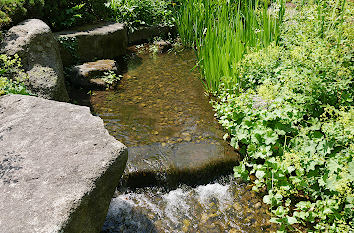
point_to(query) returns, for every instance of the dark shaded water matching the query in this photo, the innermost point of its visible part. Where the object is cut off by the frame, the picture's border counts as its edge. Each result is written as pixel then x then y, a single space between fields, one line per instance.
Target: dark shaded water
pixel 160 111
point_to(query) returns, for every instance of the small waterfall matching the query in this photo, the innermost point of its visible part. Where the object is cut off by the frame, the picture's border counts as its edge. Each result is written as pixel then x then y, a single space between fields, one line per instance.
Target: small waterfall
pixel 216 207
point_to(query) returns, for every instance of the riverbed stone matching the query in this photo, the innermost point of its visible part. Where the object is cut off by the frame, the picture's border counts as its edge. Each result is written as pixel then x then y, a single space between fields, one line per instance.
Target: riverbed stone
pixel 172 164
pixel 99 41
pixel 38 49
pixel 163 46
pixel 90 74
pixel 58 167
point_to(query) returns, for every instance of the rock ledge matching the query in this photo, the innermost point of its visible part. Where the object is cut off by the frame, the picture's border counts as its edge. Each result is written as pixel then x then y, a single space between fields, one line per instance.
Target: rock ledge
pixel 58 167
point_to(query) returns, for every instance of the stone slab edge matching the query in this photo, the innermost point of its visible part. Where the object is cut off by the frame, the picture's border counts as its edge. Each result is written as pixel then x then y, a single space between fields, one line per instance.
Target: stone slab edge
pixel 82 211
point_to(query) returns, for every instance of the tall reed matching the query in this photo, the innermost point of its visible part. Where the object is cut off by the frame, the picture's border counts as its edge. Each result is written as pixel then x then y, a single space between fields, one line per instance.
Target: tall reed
pixel 222 31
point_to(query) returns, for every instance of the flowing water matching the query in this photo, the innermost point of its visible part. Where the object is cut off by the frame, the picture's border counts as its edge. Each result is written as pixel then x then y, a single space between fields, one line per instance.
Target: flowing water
pixel 160 111
pixel 221 206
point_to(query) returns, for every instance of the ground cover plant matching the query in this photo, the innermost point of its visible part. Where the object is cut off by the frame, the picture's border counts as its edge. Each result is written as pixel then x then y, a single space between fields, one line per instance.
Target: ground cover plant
pixel 293 118
pixel 287 104
pixel 12 77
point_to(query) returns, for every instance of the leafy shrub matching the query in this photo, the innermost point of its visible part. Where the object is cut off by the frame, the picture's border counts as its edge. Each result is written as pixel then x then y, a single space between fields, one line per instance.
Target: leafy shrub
pixel 59 14
pixel 294 119
pixel 14 11
pixel 142 12
pixel 12 76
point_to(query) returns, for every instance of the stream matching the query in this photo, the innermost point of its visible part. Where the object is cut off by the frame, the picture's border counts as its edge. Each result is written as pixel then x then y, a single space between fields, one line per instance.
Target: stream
pixel 179 173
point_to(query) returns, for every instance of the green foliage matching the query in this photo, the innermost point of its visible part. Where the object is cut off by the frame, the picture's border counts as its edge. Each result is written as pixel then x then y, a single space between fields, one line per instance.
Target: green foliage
pixel 142 12
pixel 12 76
pixel 110 78
pixel 14 11
pixel 293 118
pixel 59 14
pixel 241 27
pixel 70 44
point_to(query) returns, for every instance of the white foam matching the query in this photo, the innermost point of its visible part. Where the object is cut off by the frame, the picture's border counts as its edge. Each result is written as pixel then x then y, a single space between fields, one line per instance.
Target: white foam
pixel 176 205
pixel 218 191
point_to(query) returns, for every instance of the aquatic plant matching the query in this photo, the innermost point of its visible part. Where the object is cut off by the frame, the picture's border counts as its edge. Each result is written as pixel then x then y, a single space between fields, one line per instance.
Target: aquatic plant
pixel 110 78
pixel 222 32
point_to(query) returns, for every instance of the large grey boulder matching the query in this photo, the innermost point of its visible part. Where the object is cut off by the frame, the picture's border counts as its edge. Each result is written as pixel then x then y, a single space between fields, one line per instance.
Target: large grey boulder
pixel 58 167
pixel 91 42
pixel 38 49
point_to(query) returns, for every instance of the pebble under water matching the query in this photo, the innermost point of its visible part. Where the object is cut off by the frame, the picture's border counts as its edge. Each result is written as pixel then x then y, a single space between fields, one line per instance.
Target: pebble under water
pixel 160 105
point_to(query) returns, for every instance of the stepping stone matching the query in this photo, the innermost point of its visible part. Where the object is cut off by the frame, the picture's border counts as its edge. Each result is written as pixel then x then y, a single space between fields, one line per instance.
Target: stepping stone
pixel 89 75
pixel 171 164
pixel 59 167
pixel 99 41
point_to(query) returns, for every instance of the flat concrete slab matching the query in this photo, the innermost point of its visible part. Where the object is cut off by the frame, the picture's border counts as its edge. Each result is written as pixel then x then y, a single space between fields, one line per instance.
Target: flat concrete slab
pixel 58 167
pixel 91 42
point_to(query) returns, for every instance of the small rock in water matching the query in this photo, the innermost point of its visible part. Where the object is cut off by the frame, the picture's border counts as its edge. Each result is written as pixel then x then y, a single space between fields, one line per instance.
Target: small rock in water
pixel 257 205
pixel 155 132
pixel 89 74
pixel 234 231
pixel 237 206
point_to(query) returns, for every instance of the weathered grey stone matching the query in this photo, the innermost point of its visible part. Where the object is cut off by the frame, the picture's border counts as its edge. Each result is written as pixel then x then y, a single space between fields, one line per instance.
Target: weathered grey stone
pixel 58 167
pixel 100 41
pixel 144 34
pixel 176 163
pixel 35 44
pixel 89 74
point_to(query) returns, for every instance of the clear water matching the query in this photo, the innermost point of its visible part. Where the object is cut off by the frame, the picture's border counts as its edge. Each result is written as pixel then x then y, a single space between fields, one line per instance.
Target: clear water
pixel 160 111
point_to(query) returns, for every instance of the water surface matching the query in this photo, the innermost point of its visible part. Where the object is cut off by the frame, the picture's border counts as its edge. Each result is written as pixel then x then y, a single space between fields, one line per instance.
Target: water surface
pixel 160 111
